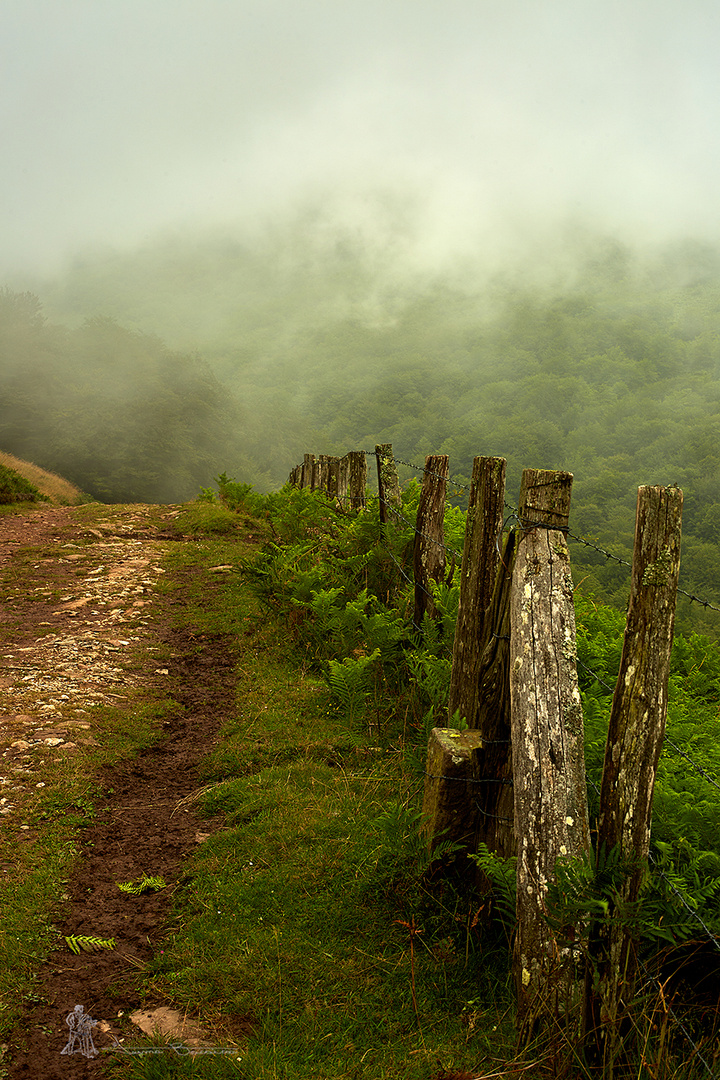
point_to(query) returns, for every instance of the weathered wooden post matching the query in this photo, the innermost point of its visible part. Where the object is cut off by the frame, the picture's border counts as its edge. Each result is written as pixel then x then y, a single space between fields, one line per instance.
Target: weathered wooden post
pixel 321 472
pixel 551 816
pixel 333 480
pixel 326 477
pixel 449 798
pixel 634 742
pixel 388 482
pixel 356 479
pixel 494 796
pixel 295 477
pixel 480 561
pixel 429 547
pixel 308 468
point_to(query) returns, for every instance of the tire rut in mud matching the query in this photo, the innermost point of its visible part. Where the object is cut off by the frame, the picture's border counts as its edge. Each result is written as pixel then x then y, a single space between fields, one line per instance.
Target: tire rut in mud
pixel 138 828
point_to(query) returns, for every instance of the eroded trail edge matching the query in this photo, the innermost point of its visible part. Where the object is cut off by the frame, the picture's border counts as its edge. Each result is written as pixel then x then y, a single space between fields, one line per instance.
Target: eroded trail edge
pixel 83 627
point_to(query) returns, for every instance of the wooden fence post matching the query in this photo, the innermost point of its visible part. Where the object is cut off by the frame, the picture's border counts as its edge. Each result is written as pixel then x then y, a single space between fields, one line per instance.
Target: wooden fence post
pixel 495 800
pixel 326 475
pixel 308 468
pixel 480 561
pixel 551 816
pixel 632 752
pixel 343 476
pixel 322 472
pixel 429 547
pixel 356 479
pixel 388 483
pixel 295 477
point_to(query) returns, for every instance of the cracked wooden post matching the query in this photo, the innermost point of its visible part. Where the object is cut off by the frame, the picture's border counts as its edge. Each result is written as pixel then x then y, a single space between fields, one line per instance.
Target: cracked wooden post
pixel 551 816
pixel 356 479
pixel 295 477
pixel 449 799
pixel 429 547
pixel 634 742
pixel 494 797
pixel 308 467
pixel 481 557
pixel 327 475
pixel 388 483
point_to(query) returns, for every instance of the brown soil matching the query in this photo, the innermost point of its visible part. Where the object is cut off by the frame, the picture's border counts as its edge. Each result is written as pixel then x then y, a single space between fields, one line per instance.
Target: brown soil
pixel 79 626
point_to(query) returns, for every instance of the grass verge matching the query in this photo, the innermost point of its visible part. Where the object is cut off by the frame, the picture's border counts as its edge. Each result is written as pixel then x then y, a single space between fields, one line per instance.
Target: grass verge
pixel 310 927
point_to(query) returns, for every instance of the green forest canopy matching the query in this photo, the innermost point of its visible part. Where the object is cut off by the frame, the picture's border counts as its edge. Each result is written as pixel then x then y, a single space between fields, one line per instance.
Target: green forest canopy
pixel 307 341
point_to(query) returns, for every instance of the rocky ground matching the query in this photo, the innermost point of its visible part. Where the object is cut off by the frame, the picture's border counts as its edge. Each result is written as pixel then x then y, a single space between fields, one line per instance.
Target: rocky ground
pixel 81 626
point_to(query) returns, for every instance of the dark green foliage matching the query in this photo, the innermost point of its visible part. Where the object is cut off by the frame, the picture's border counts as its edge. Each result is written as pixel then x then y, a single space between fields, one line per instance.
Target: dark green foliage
pixel 15 488
pixel 342 586
pixel 684 887
pixel 324 576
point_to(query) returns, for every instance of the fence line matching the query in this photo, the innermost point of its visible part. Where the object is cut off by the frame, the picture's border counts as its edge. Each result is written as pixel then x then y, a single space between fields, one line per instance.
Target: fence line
pixel 529 526
pixel 462 488
pixel 513 516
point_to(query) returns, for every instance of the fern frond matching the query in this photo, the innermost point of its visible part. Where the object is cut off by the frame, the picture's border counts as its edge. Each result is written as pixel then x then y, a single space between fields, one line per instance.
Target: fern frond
pixel 144 884
pixel 81 943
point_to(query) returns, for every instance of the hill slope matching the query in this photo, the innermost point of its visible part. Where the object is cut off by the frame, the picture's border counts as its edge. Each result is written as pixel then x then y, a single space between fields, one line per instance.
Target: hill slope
pixel 60 492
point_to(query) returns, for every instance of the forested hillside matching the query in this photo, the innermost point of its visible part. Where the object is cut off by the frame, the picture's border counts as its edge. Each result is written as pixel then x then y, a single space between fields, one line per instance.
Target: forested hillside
pixel 114 411
pixel 600 360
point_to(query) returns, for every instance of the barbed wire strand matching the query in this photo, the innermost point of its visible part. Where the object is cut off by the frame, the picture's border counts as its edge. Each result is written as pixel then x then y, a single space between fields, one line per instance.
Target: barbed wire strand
pixel 608 555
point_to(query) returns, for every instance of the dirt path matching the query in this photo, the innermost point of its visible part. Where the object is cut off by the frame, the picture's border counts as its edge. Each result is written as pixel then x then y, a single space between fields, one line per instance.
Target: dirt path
pixel 79 627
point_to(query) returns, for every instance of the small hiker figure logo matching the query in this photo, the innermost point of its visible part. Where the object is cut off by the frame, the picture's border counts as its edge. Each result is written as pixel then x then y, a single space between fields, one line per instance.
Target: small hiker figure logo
pixel 80 1041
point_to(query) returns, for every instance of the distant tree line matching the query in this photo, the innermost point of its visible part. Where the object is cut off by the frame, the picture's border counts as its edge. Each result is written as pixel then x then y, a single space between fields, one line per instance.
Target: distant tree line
pixel 607 366
pixel 112 410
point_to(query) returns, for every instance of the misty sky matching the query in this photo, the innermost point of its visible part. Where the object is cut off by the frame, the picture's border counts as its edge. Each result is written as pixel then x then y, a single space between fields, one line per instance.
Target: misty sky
pixel 498 118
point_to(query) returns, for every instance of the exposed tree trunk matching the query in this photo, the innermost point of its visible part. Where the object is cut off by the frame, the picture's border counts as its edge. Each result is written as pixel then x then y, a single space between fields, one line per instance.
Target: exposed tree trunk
pixel 429 548
pixel 634 742
pixel 551 817
pixel 480 561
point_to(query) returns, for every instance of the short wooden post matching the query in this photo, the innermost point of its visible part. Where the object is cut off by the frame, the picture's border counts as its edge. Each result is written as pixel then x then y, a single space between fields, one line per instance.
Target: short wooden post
pixel 634 742
pixel 429 547
pixel 449 798
pixel 388 482
pixel 480 561
pixel 326 475
pixel 321 472
pixel 551 816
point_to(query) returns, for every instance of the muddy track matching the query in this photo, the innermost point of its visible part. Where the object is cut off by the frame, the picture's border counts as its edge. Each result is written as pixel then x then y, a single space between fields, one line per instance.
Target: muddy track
pixel 141 825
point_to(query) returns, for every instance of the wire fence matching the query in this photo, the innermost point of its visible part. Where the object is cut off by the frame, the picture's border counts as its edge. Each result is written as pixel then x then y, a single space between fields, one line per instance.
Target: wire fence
pixel 461 487
pixel 511 518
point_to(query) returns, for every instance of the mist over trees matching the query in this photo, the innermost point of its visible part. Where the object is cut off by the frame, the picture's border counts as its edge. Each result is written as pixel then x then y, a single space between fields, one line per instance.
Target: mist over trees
pixel 601 360
pixel 112 410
